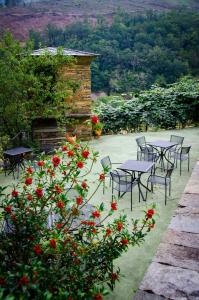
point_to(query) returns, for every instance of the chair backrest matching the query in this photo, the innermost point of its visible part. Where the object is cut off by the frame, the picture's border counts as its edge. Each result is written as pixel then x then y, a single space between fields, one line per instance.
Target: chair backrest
pixel 106 163
pixel 121 179
pixel 185 150
pixel 177 139
pixel 141 141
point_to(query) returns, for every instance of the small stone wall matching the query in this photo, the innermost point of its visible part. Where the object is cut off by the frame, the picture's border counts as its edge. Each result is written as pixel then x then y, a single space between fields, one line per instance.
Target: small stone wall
pixel 174 271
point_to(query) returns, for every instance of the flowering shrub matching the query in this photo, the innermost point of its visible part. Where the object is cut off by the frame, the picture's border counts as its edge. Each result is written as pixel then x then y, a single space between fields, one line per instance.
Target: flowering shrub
pixel 53 241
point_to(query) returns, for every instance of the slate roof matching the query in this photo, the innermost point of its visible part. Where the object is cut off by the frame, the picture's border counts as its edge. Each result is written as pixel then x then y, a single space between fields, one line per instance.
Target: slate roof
pixel 68 52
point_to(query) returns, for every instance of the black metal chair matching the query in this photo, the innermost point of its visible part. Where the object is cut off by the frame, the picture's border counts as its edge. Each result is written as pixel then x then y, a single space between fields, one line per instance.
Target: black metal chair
pixel 177 139
pixel 165 180
pixel 122 183
pixel 107 166
pixel 143 148
pixel 182 154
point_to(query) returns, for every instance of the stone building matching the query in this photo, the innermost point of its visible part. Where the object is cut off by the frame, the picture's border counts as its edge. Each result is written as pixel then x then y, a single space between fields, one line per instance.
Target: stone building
pixel 78 102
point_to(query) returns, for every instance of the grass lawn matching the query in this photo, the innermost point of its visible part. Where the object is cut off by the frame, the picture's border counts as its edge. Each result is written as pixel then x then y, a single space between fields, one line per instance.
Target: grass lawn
pixel 134 263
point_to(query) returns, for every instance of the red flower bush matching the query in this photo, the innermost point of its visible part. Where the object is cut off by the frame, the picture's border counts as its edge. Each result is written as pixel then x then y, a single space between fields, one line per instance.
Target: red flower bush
pixel 52 240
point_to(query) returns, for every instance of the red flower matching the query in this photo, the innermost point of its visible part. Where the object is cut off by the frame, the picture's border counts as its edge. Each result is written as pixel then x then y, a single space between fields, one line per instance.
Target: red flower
pixel 60 204
pixel 39 192
pixel 114 206
pixel 85 154
pixel 56 160
pixel 84 185
pixel 119 226
pixel 80 164
pixel 59 225
pixel 94 119
pixel 150 213
pixel 29 197
pixel 79 200
pixel 102 177
pixel 37 249
pixel 24 280
pixel 2 281
pixel 29 170
pixel 114 276
pixel 58 189
pixel 8 209
pixel 53 243
pixel 64 148
pixel 108 231
pixel 124 241
pixel 15 193
pixel 96 214
pixel 98 297
pixel 41 163
pixel 28 181
pixel 70 153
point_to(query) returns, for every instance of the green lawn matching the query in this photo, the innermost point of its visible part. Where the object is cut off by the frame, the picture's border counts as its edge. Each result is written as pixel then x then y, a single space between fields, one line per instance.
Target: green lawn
pixel 134 263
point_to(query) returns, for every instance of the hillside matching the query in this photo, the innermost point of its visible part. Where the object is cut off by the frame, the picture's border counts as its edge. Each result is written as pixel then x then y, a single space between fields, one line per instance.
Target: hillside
pixel 37 14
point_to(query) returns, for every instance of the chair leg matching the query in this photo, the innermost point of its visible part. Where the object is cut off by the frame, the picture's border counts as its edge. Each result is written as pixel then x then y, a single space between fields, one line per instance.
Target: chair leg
pixel 165 201
pixel 170 188
pixel 180 167
pixel 188 163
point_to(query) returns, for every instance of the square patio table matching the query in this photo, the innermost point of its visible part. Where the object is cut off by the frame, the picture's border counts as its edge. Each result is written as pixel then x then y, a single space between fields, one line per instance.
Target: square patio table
pixel 140 167
pixel 16 158
pixel 162 147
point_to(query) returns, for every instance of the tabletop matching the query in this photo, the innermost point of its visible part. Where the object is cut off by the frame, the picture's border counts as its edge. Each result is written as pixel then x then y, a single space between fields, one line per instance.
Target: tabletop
pixel 17 151
pixel 137 166
pixel 162 144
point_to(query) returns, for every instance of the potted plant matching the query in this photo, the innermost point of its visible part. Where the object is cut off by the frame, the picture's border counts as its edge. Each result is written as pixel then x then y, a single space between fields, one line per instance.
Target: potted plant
pixel 50 247
pixel 96 126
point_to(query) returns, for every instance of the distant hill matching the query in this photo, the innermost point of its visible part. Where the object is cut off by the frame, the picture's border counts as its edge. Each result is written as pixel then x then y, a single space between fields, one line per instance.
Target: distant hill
pixel 19 16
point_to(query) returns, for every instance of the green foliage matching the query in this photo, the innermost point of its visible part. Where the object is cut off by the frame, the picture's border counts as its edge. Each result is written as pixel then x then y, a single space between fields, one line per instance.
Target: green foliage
pixel 28 88
pixel 54 243
pixel 136 50
pixel 170 107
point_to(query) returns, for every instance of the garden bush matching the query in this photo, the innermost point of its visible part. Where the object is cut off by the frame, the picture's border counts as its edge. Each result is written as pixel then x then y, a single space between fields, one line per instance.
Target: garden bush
pixel 173 106
pixel 54 243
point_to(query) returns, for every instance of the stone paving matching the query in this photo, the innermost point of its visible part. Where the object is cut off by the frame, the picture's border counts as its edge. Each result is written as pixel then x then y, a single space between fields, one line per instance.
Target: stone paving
pixel 174 271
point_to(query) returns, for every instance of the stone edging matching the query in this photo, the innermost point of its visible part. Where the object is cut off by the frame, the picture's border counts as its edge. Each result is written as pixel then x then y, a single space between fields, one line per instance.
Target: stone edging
pixel 174 271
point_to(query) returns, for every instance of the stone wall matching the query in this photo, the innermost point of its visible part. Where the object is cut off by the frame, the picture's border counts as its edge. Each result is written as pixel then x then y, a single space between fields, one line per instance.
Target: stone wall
pixel 174 271
pixel 78 106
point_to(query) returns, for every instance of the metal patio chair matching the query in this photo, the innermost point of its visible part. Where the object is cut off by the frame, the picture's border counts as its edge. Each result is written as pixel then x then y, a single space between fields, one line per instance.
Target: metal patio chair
pixel 107 166
pixel 165 180
pixel 178 139
pixel 122 183
pixel 143 148
pixel 182 154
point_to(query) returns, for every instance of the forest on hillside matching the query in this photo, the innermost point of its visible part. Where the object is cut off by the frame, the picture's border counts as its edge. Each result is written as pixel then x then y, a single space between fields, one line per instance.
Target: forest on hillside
pixel 136 51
